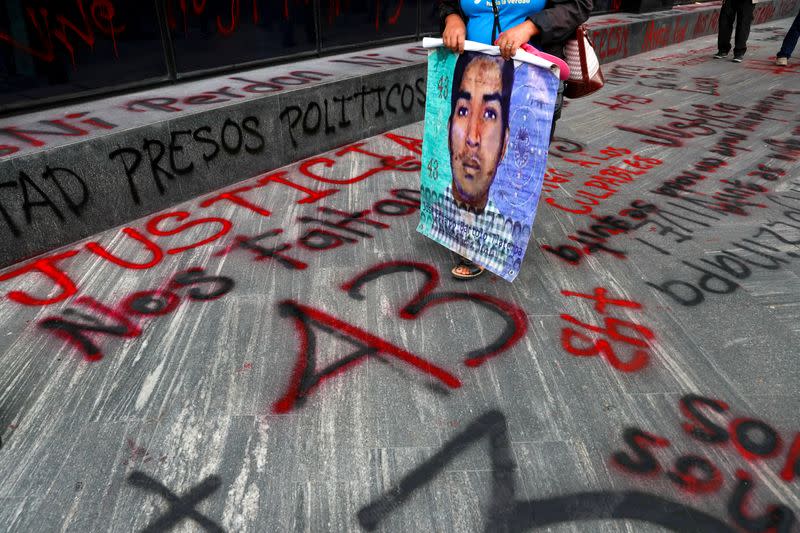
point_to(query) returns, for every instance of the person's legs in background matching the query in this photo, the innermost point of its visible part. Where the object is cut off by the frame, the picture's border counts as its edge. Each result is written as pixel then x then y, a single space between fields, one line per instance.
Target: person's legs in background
pixel 727 13
pixel 789 42
pixel 557 110
pixel 744 17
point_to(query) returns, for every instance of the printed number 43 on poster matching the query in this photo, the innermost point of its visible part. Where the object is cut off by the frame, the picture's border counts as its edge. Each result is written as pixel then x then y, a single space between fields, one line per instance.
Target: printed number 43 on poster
pixel 487 131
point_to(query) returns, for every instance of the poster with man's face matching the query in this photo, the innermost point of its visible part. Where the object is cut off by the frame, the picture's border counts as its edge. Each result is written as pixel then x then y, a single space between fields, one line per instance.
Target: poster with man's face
pixel 487 130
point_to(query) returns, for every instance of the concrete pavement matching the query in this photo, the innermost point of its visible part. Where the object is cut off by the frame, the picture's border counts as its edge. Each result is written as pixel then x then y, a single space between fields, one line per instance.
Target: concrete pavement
pixel 288 354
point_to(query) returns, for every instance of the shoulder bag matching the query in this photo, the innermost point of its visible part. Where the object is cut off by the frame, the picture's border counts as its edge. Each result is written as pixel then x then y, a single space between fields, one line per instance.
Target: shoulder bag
pixel 585 75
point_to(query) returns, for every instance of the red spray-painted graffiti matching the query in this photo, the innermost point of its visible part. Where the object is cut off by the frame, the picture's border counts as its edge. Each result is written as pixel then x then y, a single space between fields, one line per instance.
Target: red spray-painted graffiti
pixel 662 78
pixel 611 331
pixel 606 182
pixel 752 439
pixel 329 233
pixel 402 202
pixel 330 114
pixel 48 266
pixel 49 25
pixel 706 23
pixel 611 41
pixel 198 7
pixel 505 512
pixel 595 237
pixel 334 9
pixel 305 377
pixel 624 100
pixel 77 327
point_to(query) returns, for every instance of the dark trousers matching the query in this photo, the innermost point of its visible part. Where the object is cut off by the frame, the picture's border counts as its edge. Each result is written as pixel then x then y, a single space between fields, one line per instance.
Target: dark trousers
pixel 742 11
pixel 557 110
pixel 790 41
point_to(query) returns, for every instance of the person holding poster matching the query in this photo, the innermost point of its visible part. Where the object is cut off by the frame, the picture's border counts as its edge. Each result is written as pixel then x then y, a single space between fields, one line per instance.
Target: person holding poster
pixel 479 124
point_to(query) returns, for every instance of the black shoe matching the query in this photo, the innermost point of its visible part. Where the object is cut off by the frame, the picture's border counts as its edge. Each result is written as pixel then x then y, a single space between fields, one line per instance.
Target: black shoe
pixel 720 55
pixel 737 59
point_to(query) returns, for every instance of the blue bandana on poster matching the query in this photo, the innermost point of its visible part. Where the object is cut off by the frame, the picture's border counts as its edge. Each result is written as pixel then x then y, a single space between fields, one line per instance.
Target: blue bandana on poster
pixel 487 133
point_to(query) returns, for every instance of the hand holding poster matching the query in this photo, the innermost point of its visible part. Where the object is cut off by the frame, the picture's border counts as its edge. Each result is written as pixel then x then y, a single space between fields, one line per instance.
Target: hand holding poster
pixel 487 131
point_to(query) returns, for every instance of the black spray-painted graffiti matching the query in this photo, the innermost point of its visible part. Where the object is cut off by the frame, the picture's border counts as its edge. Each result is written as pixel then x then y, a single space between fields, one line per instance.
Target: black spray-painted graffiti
pixel 718 274
pixel 29 193
pixel 374 102
pixel 507 514
pixel 167 160
pixel 306 377
pixel 180 507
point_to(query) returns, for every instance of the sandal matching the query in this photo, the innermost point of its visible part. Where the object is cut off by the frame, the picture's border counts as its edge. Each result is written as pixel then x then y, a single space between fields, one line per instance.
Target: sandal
pixel 473 270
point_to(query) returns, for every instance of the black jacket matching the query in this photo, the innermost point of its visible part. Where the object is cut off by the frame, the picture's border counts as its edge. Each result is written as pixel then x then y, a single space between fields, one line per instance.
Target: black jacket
pixel 556 22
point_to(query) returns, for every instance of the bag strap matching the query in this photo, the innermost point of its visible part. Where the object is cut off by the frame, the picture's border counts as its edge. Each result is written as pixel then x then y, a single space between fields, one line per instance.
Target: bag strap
pixel 580 34
pixel 496 24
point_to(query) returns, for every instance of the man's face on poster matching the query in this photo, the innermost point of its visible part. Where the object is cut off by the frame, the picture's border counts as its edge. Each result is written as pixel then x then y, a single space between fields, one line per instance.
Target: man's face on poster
pixel 478 127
